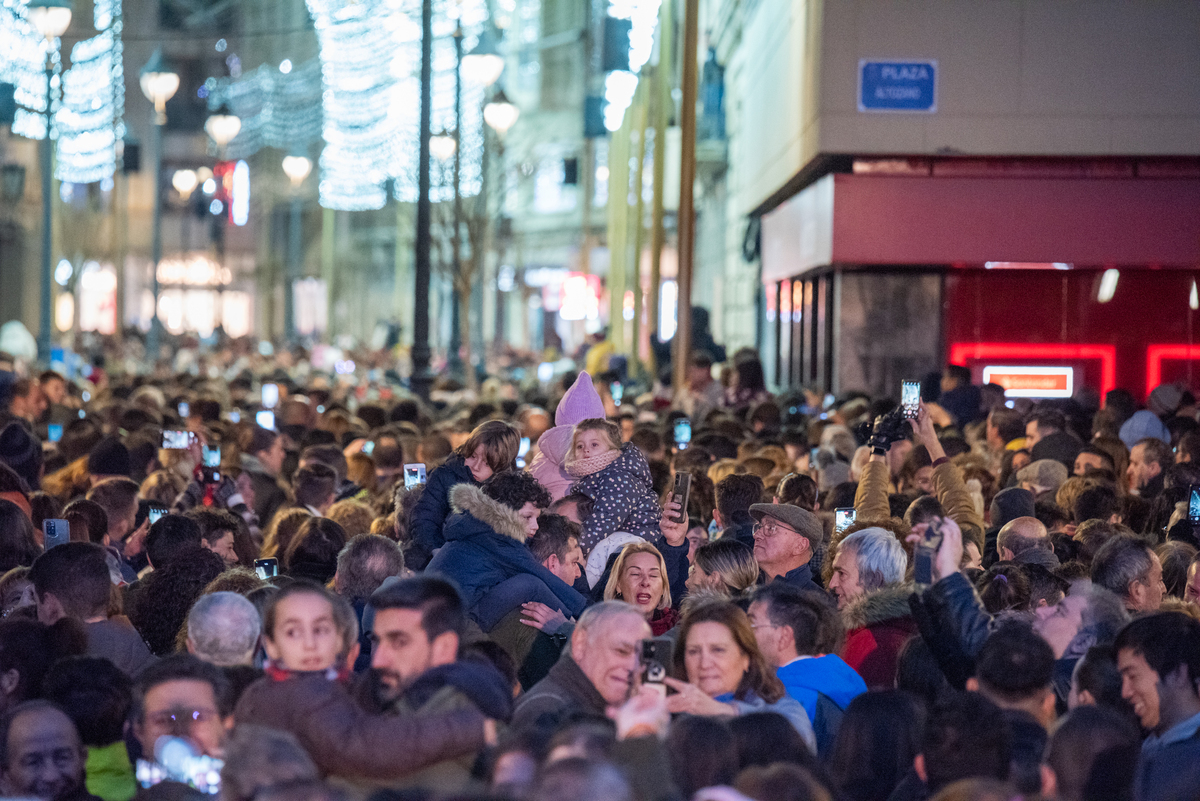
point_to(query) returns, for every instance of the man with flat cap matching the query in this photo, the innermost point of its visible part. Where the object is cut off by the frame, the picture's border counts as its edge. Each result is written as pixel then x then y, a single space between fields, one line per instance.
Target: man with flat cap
pixel 784 536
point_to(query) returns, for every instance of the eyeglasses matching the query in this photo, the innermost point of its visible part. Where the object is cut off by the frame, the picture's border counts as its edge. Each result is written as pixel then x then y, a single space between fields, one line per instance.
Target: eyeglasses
pixel 772 528
pixel 181 717
pixel 763 626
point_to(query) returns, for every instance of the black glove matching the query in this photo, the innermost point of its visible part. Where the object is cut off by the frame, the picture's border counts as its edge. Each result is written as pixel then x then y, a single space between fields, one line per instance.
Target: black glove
pixel 888 428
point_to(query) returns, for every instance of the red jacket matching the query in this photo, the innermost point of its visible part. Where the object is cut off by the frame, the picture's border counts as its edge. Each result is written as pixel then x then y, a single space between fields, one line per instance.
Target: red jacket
pixel 877 626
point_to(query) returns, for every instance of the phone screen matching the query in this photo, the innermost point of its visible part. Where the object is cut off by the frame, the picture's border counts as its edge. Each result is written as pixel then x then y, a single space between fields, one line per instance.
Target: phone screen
pixel 522 451
pixel 265 419
pixel 154 513
pixel 369 447
pixel 54 432
pixel 183 409
pixel 414 474
pixel 843 519
pixel 55 532
pixel 618 392
pixel 683 433
pixel 910 398
pixel 266 568
pixel 270 395
pixel 235 416
pixel 1194 506
pixel 176 440
pixel 210 455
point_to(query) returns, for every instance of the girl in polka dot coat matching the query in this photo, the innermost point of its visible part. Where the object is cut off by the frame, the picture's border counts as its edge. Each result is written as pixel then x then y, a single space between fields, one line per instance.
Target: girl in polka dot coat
pixel 617 479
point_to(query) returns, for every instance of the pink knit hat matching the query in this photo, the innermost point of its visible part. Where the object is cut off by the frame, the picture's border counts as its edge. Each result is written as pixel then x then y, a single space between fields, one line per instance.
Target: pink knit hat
pixel 580 402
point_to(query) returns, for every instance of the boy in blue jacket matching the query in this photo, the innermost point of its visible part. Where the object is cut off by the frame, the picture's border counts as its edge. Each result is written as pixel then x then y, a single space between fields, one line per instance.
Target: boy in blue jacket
pixel 485 551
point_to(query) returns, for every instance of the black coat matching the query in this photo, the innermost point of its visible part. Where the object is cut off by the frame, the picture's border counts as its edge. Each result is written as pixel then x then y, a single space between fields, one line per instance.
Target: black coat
pixel 431 511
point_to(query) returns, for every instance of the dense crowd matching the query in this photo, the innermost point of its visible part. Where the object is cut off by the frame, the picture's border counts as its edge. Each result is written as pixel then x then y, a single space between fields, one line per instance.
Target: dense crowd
pixel 252 579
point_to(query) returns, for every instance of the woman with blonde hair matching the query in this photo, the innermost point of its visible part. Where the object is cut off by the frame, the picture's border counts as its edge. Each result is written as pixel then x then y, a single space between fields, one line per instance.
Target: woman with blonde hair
pixel 162 486
pixel 639 577
pixel 725 566
pixel 283 530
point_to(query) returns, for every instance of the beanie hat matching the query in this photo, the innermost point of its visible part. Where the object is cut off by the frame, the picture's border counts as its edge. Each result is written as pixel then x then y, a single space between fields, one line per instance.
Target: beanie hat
pixel 1060 446
pixel 1011 503
pixel 1142 425
pixel 1047 474
pixel 1165 399
pixel 21 451
pixel 109 458
pixel 580 402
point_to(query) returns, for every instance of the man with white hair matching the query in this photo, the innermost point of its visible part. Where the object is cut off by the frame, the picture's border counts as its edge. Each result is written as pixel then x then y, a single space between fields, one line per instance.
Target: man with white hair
pixel 223 629
pixel 867 560
pixel 598 671
pixel 872 595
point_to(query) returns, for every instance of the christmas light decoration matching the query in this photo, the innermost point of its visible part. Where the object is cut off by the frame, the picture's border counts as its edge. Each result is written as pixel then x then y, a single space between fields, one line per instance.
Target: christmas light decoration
pixel 276 109
pixel 23 64
pixel 620 85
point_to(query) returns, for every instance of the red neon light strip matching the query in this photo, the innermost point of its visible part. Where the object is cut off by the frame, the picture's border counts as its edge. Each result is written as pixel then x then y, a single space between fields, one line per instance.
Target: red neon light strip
pixel 1155 354
pixel 1106 354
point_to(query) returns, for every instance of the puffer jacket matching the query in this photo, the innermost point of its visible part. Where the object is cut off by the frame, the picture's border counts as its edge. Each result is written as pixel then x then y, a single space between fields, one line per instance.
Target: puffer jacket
pixel 485 544
pixel 347 742
pixel 877 626
pixel 431 511
pixel 624 500
pixel 871 498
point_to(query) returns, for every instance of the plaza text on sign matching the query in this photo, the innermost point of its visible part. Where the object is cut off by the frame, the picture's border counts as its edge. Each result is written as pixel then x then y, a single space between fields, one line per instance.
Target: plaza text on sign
pixel 897 86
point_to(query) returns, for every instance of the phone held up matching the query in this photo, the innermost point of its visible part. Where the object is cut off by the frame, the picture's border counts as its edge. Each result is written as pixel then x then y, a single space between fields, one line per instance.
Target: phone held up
pixel 266 568
pixel 656 658
pixel 55 532
pixel 681 495
pixel 683 433
pixel 414 474
pixel 927 550
pixel 910 398
pixel 843 519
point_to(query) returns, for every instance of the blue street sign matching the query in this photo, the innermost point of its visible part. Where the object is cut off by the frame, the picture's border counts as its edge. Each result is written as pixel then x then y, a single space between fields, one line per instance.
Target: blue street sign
pixel 904 86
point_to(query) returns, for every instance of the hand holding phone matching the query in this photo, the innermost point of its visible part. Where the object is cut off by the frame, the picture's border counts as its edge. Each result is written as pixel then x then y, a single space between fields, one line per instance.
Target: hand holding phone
pixel 682 493
pixel 176 440
pixel 414 474
pixel 910 398
pixel 656 659
pixel 843 518
pixel 55 532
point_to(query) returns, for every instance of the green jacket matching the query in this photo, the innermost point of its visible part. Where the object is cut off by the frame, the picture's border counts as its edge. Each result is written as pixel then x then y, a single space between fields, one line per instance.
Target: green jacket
pixel 110 773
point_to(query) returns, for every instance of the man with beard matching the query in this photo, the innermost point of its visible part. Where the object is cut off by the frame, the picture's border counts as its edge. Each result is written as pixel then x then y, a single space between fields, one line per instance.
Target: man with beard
pixel 416 636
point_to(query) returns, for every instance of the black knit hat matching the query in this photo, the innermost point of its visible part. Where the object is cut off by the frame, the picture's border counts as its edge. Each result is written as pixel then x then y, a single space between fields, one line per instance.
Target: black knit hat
pixel 109 458
pixel 21 451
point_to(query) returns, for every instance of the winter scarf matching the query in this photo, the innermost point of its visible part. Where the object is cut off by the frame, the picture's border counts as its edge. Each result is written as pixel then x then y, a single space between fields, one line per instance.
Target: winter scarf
pixel 592 464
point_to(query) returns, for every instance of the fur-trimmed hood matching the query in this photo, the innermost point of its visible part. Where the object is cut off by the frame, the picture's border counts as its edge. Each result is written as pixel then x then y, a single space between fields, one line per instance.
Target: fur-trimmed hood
pixel 474 513
pixel 880 606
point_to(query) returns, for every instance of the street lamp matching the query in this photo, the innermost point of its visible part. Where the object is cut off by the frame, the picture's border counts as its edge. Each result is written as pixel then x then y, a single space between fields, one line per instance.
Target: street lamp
pixel 500 113
pixel 159 85
pixel 51 18
pixel 297 169
pixel 223 126
pixel 185 182
pixel 443 146
pixel 483 65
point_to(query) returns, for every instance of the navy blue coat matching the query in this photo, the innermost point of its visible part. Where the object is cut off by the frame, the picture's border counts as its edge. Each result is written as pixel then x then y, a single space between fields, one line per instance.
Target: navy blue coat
pixel 431 511
pixel 485 545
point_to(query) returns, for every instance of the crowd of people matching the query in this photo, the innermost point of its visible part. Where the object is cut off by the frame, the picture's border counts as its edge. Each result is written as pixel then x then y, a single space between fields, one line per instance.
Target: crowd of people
pixel 262 582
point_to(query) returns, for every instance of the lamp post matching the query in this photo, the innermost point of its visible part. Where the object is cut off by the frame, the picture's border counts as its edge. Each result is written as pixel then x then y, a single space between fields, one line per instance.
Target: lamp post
pixel 51 18
pixel 159 85
pixel 297 169
pixel 185 183
pixel 456 339
pixel 421 380
pixel 222 126
pixel 500 114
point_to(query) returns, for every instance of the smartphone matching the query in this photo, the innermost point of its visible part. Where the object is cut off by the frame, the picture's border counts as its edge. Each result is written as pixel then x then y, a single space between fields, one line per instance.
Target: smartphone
pixel 183 409
pixel 414 474
pixel 266 568
pixel 522 450
pixel 681 495
pixel 54 432
pixel 812 458
pixel 369 447
pixel 265 419
pixel 618 392
pixel 683 433
pixel 843 519
pixel 656 657
pixel 910 398
pixel 55 532
pixel 210 455
pixel 270 396
pixel 176 440
pixel 927 550
pixel 235 416
pixel 1194 506
pixel 154 512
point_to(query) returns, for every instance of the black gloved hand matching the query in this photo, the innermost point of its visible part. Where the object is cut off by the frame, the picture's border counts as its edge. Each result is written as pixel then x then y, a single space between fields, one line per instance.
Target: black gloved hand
pixel 888 429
